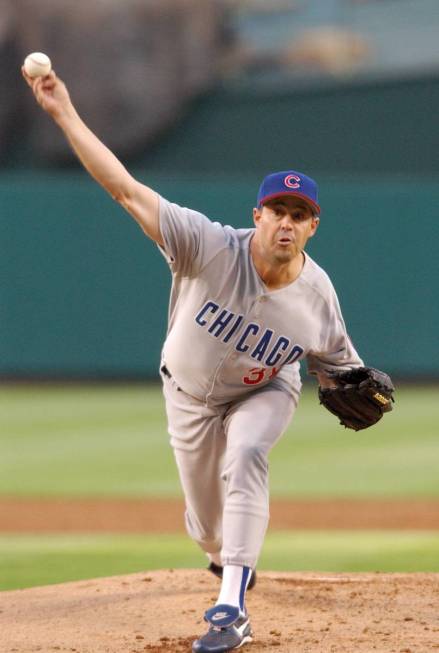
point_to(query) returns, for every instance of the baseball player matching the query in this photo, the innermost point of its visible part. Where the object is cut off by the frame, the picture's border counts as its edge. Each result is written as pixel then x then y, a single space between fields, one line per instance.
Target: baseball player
pixel 246 306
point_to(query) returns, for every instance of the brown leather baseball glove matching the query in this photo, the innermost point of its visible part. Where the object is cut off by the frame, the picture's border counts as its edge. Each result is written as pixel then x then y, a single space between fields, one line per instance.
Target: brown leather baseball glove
pixel 362 396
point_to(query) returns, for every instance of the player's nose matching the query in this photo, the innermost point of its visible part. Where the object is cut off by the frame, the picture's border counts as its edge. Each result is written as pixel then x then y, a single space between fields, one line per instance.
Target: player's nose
pixel 286 222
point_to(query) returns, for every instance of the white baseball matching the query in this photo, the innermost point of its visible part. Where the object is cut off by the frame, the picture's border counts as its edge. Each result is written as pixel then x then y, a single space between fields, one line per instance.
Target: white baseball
pixel 37 64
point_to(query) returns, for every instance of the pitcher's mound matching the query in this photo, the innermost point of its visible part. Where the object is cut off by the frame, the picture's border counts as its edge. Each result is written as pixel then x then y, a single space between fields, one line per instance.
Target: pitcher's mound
pixel 161 612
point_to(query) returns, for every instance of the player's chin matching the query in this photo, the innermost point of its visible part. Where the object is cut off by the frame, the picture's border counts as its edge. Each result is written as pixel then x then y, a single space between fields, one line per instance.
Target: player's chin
pixel 283 255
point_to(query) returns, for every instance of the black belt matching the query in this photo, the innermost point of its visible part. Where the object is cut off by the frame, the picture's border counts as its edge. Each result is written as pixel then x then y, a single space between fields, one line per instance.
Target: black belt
pixel 167 373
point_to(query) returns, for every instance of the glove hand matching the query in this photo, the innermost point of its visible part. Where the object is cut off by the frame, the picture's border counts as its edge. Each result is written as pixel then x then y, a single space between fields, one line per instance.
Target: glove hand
pixel 362 396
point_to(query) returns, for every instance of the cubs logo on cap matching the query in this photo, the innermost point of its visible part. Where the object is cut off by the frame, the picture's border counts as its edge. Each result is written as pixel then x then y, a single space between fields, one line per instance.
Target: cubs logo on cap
pixel 289 182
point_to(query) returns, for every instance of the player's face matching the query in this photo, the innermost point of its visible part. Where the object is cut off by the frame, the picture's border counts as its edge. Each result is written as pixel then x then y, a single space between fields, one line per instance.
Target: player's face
pixel 283 227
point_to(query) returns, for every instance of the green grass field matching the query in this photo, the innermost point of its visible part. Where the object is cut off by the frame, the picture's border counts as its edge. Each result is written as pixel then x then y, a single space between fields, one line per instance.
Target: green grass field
pixel 27 561
pixel 112 441
pixel 77 441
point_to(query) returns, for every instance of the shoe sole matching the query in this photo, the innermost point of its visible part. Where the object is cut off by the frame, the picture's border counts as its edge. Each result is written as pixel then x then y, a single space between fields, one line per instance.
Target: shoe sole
pixel 246 640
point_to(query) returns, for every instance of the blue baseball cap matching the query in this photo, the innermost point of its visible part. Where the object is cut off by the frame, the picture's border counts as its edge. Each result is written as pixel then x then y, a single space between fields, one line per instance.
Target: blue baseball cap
pixel 289 182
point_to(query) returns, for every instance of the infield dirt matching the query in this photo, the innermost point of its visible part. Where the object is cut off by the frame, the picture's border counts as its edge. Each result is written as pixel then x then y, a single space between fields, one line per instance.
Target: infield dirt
pixel 161 612
pixel 32 515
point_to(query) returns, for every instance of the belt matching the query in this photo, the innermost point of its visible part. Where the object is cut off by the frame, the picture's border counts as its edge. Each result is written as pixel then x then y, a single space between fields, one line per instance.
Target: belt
pixel 167 373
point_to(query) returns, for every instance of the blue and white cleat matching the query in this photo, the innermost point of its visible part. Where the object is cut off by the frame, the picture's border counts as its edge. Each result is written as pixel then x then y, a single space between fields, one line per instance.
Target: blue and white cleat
pixel 229 628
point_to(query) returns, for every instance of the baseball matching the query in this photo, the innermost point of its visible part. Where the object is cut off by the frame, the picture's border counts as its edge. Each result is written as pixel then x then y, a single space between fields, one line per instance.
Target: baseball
pixel 37 64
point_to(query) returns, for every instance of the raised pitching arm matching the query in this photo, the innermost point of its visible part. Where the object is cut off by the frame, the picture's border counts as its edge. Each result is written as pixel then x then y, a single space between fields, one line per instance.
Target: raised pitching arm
pixel 139 200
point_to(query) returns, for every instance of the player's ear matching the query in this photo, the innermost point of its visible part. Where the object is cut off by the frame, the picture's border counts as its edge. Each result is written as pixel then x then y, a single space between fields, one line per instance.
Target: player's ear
pixel 315 221
pixel 256 216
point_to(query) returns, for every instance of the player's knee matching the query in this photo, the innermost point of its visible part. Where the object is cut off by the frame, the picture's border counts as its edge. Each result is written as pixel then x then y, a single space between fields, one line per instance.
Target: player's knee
pixel 246 457
pixel 207 533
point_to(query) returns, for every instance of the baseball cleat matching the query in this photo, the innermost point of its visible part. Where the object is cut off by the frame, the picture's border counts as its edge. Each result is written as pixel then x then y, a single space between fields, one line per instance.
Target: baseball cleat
pixel 229 628
pixel 217 570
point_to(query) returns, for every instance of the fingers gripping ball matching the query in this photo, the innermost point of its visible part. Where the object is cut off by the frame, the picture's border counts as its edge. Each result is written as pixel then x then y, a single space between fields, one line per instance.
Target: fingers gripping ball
pixel 363 395
pixel 37 64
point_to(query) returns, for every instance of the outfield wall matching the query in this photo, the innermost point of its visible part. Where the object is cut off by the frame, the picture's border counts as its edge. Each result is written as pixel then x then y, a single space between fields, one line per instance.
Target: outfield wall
pixel 84 293
pixel 342 127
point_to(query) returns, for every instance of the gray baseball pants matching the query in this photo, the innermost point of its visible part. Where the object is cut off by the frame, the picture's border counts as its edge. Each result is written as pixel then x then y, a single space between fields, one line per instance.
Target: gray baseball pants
pixel 222 459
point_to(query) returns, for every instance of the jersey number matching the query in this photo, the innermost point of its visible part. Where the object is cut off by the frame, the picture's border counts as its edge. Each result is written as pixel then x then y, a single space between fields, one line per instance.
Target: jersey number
pixel 259 374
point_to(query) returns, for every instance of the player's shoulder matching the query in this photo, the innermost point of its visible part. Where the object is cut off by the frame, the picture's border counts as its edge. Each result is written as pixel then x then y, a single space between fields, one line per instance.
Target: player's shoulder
pixel 189 218
pixel 231 237
pixel 317 278
pixel 239 237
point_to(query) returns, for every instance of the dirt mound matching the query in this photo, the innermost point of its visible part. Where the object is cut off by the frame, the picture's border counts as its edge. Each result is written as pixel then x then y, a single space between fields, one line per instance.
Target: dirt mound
pixel 161 612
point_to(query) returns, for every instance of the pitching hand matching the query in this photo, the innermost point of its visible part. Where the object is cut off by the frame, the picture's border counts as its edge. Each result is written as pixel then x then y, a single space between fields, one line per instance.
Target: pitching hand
pixel 51 94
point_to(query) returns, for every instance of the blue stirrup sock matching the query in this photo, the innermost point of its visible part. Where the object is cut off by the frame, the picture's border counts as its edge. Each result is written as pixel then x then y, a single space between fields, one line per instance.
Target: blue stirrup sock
pixel 234 585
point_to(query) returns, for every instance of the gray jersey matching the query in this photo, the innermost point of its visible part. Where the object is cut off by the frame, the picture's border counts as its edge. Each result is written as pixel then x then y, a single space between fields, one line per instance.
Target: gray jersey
pixel 228 334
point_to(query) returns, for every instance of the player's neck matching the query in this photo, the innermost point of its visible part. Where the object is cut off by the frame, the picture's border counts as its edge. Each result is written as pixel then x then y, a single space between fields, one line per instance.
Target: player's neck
pixel 276 275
